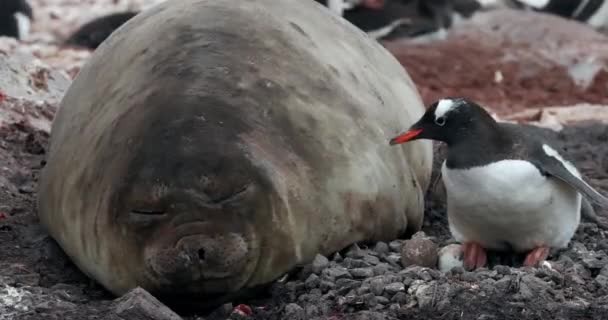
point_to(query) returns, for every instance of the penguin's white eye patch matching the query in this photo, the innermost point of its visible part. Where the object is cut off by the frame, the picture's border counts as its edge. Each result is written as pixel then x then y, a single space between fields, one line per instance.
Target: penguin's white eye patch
pixel 440 121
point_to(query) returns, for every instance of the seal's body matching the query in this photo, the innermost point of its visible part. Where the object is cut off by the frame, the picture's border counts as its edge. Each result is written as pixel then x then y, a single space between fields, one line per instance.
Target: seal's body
pixel 197 158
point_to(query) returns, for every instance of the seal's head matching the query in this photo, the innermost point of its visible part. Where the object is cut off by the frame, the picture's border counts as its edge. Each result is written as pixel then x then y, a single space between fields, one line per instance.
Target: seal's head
pixel 190 204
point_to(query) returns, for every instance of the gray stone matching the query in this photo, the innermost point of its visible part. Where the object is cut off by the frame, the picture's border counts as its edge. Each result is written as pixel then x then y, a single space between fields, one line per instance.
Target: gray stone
pixel 602 281
pixel 362 272
pixel 400 297
pixel 294 311
pixel 336 273
pixel 363 290
pixel 381 269
pixel 504 270
pixel 382 248
pixel 319 263
pixel 371 259
pixel 394 287
pixel 140 304
pixel 393 259
pixel 326 285
pixel 382 300
pixel 377 286
pixel 311 311
pixel 395 245
pixel 313 281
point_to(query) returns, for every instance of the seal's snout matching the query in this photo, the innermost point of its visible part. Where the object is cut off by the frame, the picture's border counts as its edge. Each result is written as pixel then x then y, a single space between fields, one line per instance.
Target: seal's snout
pixel 218 256
pixel 201 257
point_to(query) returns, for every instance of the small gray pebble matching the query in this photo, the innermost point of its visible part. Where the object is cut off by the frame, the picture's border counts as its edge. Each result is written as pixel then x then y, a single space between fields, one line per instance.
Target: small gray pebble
pixel 382 300
pixel 395 245
pixel 382 248
pixel 371 259
pixel 313 281
pixel 294 311
pixel 377 286
pixel 393 259
pixel 311 311
pixel 326 285
pixel 319 263
pixel 336 273
pixel 601 281
pixel 394 287
pixel 504 270
pixel 363 290
pixel 362 272
pixel 381 269
pixel 394 307
pixel 400 297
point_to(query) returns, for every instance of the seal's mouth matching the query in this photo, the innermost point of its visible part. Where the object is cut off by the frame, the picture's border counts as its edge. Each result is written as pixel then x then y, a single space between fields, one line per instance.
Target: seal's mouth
pixel 203 259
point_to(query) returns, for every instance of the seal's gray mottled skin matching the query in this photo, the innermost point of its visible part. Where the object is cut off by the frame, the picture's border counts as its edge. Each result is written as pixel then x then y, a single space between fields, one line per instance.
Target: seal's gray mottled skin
pixel 208 147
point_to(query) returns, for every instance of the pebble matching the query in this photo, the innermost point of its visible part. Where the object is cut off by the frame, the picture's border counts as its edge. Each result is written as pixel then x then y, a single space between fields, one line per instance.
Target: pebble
pixel 313 281
pixel 399 297
pixel 336 273
pixel 319 264
pixel 382 248
pixel 395 245
pixel 382 300
pixel 362 272
pixel 394 287
pixel 377 286
pixel 294 311
pixel 420 252
pixel 140 304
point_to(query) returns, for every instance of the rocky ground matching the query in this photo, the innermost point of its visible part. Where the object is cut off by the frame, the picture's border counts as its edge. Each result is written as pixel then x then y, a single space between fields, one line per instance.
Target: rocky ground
pixel 498 66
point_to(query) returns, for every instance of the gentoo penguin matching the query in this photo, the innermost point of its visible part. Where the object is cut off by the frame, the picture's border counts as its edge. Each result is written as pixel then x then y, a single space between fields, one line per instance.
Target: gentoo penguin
pixel 94 32
pixel 506 189
pixel 591 12
pixel 15 18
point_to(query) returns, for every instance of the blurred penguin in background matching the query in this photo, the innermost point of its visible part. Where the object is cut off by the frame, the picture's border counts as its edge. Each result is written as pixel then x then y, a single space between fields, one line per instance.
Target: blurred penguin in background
pixel 93 33
pixel 591 12
pixel 15 18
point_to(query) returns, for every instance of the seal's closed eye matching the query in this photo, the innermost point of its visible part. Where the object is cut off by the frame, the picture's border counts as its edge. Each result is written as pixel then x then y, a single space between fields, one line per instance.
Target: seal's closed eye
pixel 146 215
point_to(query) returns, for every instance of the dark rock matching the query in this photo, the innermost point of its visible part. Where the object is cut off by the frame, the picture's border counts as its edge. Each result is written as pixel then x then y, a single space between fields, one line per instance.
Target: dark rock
pixel 400 297
pixel 393 288
pixel 382 300
pixel 362 272
pixel 381 269
pixel 382 248
pixel 139 304
pixel 313 281
pixel 294 311
pixel 395 245
pixel 319 263
pixel 336 273
pixel 377 286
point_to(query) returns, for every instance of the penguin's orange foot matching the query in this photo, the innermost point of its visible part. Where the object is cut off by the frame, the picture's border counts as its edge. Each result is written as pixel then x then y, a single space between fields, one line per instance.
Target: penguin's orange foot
pixel 474 256
pixel 536 256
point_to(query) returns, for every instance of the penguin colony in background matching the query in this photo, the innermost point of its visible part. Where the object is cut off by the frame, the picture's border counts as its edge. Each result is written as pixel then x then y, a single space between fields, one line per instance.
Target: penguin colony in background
pixel 382 19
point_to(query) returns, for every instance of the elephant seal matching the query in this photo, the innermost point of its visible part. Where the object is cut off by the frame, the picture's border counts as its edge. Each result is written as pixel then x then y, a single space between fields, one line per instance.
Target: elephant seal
pixel 199 159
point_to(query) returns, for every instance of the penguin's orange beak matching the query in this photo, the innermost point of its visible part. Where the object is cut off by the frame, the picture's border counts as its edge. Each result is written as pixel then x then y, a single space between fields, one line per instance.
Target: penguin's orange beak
pixel 405 137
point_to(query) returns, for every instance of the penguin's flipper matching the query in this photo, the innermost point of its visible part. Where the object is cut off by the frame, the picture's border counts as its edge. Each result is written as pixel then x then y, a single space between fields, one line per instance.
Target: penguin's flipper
pixel 550 162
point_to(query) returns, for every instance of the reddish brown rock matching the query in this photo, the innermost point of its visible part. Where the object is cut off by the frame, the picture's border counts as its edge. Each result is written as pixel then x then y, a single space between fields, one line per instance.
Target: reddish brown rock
pixel 511 60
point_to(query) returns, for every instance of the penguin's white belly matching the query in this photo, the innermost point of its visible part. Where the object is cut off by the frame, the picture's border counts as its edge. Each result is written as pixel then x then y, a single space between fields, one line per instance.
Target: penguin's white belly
pixel 510 205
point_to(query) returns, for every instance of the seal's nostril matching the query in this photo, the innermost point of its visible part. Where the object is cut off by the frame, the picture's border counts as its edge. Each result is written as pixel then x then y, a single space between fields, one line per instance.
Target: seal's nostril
pixel 201 254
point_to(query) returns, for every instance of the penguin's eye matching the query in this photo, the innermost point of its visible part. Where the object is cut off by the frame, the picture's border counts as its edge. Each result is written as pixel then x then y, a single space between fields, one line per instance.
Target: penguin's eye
pixel 440 121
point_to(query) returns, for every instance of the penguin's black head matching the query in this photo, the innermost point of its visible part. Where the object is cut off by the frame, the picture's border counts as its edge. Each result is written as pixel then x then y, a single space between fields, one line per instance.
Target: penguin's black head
pixel 450 120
